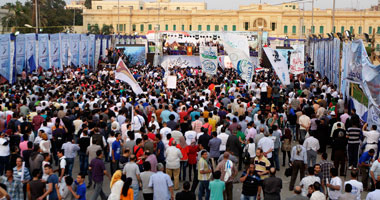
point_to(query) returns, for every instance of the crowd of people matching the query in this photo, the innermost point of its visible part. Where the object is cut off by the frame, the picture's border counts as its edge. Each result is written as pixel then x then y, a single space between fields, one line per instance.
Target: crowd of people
pixel 195 141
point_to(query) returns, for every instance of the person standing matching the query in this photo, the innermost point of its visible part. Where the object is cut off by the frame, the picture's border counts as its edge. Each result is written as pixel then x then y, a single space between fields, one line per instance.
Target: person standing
pixel 335 185
pixel 71 150
pixel 311 145
pixel 304 122
pixel 173 157
pixel 297 194
pixel 204 174
pixel 162 184
pixel 308 180
pixel 98 170
pixel 251 184
pixel 277 135
pixel 4 153
pixel 375 194
pixel 80 193
pixel 272 186
pixel 51 191
pixel 353 134
pixel 364 165
pixel 214 145
pixel 356 186
pixel 299 161
pixel 262 164
pixel 84 143
pixel 62 166
pixel 91 153
pixel 36 188
pixel 116 151
pixel 339 148
pixel 348 193
pixel 372 138
pixel 132 170
pixel 186 194
pixel 217 187
pixel 267 145
pixel 145 177
pixel 14 187
pixel 228 172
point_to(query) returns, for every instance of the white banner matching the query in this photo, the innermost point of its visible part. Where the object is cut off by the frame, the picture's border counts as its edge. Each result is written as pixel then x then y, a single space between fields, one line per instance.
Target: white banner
pixel 171 82
pixel 279 65
pixel 297 62
pixel 209 59
pixel 180 61
pixel 373 115
pixel 237 49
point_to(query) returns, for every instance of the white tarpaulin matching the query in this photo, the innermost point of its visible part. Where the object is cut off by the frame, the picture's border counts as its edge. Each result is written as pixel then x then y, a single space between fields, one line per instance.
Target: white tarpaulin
pixel 209 59
pixel 279 65
pixel 180 61
pixel 171 82
pixel 297 62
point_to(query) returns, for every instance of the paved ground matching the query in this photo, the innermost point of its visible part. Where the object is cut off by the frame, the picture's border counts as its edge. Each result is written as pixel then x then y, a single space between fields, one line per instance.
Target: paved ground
pixel 236 187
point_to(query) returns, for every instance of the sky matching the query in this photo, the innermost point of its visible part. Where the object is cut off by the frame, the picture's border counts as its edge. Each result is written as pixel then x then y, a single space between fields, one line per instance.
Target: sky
pixel 234 4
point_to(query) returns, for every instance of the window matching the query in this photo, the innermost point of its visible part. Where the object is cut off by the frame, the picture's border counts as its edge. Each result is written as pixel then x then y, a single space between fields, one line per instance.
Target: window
pixel 208 28
pixel 321 29
pixel 334 29
pixel 312 29
pixel 134 27
pixel 199 27
pixel 120 27
pixel 178 8
pixel 378 30
pixel 351 29
pixel 294 29
pixel 150 27
pixel 286 29
pixel 303 29
pixel 225 28
pixel 141 8
pixel 141 27
pixel 166 27
pixel 183 27
pixel 360 30
pixel 273 26
pixel 174 27
pixel 246 25
pixel 88 27
pixel 190 28
pixel 370 30
pixel 294 7
pixel 342 29
pixel 98 7
pixel 216 27
pixel 233 27
pixel 378 47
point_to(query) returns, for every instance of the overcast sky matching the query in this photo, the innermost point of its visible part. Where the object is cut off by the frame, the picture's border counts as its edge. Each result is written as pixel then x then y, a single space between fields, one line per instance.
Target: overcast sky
pixel 234 4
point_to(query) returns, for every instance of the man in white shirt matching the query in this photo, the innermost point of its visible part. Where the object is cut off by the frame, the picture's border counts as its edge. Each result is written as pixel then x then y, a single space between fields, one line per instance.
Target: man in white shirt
pixel 4 153
pixel 311 145
pixel 357 187
pixel 304 122
pixel 138 121
pixel 375 194
pixel 372 138
pixel 164 131
pixel 308 180
pixel 190 135
pixel 263 92
pixel 267 145
pixel 224 137
pixel 335 185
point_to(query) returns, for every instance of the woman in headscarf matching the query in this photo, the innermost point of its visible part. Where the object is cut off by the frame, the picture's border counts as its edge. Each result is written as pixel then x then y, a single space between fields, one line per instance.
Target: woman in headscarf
pixel 127 191
pixel 116 186
pixel 185 151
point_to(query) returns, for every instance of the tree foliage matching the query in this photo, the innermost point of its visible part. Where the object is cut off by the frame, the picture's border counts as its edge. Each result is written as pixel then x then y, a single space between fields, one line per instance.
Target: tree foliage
pixel 107 29
pixel 87 4
pixel 53 16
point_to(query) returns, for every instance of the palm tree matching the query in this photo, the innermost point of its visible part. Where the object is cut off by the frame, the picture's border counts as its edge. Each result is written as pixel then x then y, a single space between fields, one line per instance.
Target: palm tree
pixel 18 14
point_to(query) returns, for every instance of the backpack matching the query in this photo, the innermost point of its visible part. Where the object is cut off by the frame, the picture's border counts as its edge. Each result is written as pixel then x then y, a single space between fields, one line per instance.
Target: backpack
pixel 246 156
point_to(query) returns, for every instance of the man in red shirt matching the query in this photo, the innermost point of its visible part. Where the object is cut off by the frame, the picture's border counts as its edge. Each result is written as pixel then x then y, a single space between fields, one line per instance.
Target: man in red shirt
pixel 138 150
pixel 37 121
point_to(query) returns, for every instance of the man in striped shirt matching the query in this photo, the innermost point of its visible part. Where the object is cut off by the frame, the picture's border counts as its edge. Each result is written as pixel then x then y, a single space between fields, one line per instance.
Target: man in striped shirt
pixel 353 135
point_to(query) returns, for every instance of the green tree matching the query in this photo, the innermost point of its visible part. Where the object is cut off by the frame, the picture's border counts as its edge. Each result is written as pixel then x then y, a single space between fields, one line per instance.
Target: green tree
pixel 107 29
pixel 18 15
pixel 94 29
pixel 87 4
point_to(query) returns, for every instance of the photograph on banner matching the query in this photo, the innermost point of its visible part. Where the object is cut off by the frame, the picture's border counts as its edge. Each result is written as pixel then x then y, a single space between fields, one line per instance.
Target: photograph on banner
pixel 55 55
pixel 64 48
pixel 43 51
pixel 297 58
pixel 168 62
pixel 279 65
pixel 30 48
pixel 83 49
pixel 73 54
pixel 373 115
pixel 20 53
pixel 171 82
pixel 135 54
pixel 209 59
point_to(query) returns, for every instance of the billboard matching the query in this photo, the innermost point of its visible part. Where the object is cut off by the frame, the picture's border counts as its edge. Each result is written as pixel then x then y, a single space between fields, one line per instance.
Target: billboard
pixel 135 54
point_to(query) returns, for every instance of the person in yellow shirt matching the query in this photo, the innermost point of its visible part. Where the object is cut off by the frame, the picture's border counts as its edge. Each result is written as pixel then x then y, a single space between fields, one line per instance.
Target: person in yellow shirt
pixel 212 121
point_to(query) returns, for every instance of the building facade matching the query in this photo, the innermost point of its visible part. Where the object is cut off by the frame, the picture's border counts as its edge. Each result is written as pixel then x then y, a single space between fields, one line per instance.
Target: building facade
pixel 138 17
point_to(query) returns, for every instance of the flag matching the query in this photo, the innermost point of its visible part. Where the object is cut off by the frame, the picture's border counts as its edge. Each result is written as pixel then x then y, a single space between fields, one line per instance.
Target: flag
pixel 32 64
pixel 123 74
pixel 279 65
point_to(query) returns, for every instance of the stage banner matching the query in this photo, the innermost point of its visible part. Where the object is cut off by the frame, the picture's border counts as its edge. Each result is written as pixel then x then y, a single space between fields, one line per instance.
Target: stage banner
pixel 104 46
pixel 279 65
pixel 30 47
pixel 55 51
pixel 20 53
pixel 43 51
pixel 74 49
pixel 98 50
pixel 336 60
pixel 65 38
pixel 91 50
pixel 5 56
pixel 209 59
pixel 373 115
pixel 346 53
pixel 83 50
pixel 221 62
pixel 355 61
pixel 180 61
pixel 236 47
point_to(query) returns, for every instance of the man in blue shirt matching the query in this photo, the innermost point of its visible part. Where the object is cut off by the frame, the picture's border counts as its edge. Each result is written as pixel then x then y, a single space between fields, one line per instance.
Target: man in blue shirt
pixel 81 188
pixel 116 146
pixel 51 182
pixel 161 184
pixel 160 149
pixel 365 164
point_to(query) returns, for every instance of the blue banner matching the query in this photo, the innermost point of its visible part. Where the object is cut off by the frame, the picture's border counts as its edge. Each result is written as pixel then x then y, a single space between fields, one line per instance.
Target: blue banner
pixel 336 60
pixel 83 50
pixel 74 49
pixel 5 56
pixel 20 53
pixel 55 51
pixel 43 51
pixel 30 47
pixel 64 48
pixel 91 50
